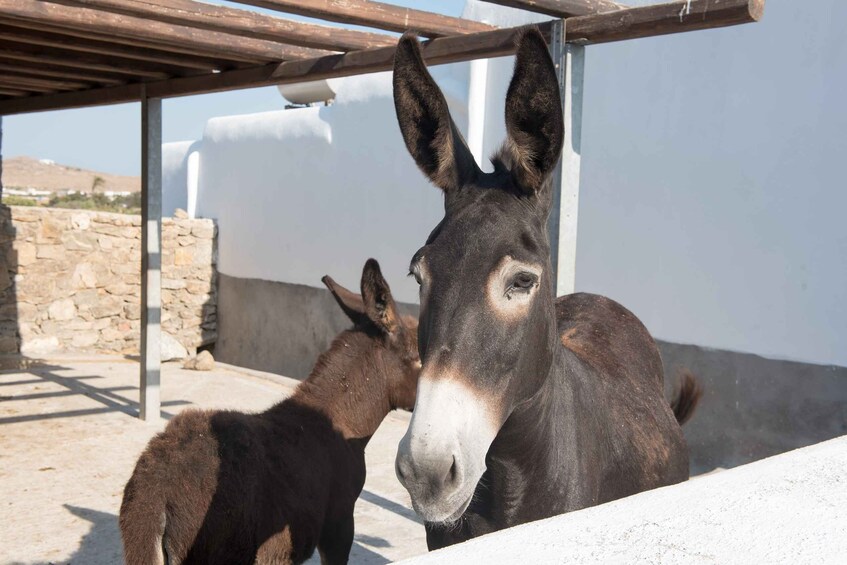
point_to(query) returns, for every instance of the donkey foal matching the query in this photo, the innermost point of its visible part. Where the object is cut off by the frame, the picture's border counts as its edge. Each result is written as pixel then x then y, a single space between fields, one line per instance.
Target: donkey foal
pixel 224 487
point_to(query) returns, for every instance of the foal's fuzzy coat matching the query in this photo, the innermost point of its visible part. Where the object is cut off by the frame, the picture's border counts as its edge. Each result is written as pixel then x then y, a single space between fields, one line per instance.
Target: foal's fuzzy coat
pixel 224 487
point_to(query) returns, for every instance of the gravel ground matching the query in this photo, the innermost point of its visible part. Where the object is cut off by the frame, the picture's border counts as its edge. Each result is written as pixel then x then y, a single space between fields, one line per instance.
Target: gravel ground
pixel 69 441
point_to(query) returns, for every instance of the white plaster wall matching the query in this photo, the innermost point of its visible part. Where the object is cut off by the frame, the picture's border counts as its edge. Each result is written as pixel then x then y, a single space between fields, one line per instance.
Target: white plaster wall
pixel 713 193
pixel 307 192
pixel 175 175
pixel 712 200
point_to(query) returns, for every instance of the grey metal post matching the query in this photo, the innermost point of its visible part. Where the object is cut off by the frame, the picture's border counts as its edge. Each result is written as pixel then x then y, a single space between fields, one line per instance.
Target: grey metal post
pixel 151 256
pixel 570 67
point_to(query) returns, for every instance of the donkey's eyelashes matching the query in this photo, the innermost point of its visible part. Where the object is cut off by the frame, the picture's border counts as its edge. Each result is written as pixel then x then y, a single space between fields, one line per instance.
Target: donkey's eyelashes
pixel 522 282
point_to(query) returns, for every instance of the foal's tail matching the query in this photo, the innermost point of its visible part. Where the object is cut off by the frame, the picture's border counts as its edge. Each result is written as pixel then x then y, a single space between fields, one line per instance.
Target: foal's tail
pixel 142 522
pixel 686 397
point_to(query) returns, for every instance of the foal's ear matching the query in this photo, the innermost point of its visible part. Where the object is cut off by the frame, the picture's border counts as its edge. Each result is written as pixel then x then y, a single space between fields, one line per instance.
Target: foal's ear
pixel 430 134
pixel 534 121
pixel 379 305
pixel 350 302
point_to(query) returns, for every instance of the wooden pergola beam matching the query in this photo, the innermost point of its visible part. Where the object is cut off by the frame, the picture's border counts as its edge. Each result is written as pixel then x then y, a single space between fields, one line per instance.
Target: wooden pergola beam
pixel 41 58
pixel 13 92
pixel 600 28
pixel 374 14
pixel 155 59
pixel 139 32
pixel 22 80
pixel 47 71
pixel 242 23
pixel 562 8
pixel 662 19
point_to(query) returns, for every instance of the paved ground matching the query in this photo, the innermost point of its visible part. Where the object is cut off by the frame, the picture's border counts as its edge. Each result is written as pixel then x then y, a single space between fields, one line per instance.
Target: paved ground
pixel 69 440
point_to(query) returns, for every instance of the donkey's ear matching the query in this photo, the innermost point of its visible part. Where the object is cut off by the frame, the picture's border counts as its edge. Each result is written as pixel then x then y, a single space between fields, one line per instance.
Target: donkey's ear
pixel 350 302
pixel 430 134
pixel 379 305
pixel 534 121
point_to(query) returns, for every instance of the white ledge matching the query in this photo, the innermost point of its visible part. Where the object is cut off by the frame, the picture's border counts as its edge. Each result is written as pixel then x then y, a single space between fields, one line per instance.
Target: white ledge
pixel 791 508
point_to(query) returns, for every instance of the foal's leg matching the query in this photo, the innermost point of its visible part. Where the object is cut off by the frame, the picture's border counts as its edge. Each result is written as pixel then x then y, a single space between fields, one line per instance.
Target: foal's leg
pixel 336 541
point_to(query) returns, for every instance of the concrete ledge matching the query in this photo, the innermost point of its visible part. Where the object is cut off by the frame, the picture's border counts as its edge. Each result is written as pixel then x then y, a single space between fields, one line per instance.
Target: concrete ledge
pixel 791 508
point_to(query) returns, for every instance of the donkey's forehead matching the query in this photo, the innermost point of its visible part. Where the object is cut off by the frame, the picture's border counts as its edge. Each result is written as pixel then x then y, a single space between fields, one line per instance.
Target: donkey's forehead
pixel 488 229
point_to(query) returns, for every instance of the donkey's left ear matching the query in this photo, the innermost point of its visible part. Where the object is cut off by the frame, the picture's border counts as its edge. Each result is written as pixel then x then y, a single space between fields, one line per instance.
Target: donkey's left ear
pixel 431 136
pixel 379 305
pixel 350 302
pixel 534 121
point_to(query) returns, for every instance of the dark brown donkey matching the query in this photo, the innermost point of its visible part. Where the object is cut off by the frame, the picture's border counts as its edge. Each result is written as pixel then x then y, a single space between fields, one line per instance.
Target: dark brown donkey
pixel 528 406
pixel 224 487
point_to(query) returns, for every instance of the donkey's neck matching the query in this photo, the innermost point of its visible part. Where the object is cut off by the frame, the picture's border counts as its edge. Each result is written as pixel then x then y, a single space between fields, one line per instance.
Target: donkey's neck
pixel 540 444
pixel 348 386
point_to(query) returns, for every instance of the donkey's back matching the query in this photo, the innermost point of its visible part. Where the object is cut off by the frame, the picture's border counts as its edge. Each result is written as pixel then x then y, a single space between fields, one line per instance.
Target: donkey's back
pixel 623 389
pixel 224 487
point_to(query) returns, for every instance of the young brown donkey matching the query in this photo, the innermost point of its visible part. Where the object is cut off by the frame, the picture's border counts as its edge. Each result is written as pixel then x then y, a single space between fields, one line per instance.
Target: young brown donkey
pixel 528 406
pixel 224 487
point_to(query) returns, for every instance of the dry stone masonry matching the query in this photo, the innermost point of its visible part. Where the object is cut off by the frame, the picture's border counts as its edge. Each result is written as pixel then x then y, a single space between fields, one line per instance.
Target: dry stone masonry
pixel 70 281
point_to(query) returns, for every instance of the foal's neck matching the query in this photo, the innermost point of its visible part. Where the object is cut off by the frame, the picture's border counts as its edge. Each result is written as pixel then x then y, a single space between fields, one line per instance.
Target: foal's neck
pixel 348 386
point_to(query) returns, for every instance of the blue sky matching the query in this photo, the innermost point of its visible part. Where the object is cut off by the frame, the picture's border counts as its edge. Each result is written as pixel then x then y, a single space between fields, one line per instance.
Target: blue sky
pixel 107 138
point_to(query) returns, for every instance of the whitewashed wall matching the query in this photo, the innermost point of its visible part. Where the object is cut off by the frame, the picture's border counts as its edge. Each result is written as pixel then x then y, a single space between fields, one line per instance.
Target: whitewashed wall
pixel 307 192
pixel 713 192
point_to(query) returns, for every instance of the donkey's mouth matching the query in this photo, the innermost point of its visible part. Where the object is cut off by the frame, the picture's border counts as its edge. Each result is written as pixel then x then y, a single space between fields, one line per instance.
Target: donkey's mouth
pixel 436 516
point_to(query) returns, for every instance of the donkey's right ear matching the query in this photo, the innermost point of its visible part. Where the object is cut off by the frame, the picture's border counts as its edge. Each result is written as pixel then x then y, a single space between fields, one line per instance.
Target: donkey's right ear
pixel 430 134
pixel 350 302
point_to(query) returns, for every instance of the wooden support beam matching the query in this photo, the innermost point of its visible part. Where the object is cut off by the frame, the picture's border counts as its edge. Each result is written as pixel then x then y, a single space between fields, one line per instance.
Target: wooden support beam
pixel 599 28
pixel 242 23
pixel 663 19
pixel 125 67
pixel 13 92
pixel 151 257
pixel 374 14
pixel 22 80
pixel 562 8
pixel 43 70
pixel 136 31
pixel 24 57
pixel 160 62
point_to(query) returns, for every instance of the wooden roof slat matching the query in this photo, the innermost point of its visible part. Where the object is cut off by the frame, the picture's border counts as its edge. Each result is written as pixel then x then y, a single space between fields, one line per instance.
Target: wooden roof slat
pixel 243 23
pixel 152 57
pixel 42 70
pixel 562 8
pixel 599 28
pixel 374 14
pixel 13 92
pixel 17 79
pixel 136 31
pixel 79 60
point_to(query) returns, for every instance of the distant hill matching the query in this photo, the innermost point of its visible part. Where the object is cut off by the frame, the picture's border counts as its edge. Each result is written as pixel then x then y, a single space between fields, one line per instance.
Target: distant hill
pixel 25 173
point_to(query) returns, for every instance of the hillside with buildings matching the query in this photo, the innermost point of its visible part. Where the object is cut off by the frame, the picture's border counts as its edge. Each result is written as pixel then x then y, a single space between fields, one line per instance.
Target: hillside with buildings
pixel 28 176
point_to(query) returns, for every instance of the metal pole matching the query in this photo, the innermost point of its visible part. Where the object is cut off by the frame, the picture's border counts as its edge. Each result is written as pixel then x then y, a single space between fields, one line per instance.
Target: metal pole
pixel 151 258
pixel 570 68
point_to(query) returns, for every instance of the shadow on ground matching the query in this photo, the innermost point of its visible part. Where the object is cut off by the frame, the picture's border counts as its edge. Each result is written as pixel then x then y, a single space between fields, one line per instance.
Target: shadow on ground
pixel 102 544
pixel 75 385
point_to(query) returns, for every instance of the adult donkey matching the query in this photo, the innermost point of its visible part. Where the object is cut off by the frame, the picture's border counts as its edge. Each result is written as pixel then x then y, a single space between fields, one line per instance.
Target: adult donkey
pixel 527 406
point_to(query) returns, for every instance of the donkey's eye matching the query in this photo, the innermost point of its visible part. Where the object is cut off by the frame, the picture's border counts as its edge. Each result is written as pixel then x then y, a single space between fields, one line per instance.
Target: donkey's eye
pixel 523 282
pixel 415 272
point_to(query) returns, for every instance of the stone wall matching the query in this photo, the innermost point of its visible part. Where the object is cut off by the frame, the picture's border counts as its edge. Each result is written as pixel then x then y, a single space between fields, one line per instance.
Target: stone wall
pixel 70 281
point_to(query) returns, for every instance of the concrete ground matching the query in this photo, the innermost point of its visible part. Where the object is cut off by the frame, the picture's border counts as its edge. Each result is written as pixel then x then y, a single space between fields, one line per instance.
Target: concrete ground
pixel 69 440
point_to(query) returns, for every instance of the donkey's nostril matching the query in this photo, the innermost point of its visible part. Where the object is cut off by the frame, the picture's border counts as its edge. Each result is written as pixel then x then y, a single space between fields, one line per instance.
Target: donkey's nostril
pixel 403 469
pixel 453 475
